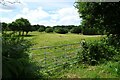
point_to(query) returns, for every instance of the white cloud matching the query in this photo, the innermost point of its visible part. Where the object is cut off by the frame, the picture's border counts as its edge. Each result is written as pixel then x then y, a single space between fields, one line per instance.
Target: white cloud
pixel 63 16
pixel 3 10
pixel 7 20
pixel 48 0
pixel 32 15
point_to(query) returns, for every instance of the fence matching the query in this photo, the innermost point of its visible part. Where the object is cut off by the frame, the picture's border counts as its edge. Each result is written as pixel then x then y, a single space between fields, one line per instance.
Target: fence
pixel 53 57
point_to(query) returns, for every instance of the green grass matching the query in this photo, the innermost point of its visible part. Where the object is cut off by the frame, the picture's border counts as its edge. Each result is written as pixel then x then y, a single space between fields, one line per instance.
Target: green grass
pixel 40 39
pixel 52 39
pixel 106 70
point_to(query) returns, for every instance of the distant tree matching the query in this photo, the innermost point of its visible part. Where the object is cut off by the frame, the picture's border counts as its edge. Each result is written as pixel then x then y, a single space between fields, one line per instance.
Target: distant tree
pixel 13 26
pixel 76 30
pixel 49 30
pixel 61 30
pixel 48 27
pixel 23 25
pixel 41 28
pixel 66 27
pixel 4 26
pixel 90 31
pixel 35 27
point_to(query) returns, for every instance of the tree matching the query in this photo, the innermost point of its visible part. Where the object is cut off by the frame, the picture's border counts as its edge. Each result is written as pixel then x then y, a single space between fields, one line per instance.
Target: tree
pixel 41 28
pixel 23 25
pixel 76 30
pixel 13 26
pixel 105 16
pixel 34 27
pixel 4 26
pixel 61 30
pixel 49 30
pixel 66 27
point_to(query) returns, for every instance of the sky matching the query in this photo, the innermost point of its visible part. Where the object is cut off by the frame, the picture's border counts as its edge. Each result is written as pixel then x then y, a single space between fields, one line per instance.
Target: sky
pixel 43 12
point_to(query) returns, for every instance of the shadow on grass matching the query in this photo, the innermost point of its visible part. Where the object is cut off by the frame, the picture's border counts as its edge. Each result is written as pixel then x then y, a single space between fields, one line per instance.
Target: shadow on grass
pixel 93 35
pixel 26 35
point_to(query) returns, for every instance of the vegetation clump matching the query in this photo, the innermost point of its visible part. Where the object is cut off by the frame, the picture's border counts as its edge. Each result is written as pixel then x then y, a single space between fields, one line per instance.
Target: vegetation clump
pixel 16 63
pixel 76 30
pixel 98 52
pixel 49 30
pixel 61 30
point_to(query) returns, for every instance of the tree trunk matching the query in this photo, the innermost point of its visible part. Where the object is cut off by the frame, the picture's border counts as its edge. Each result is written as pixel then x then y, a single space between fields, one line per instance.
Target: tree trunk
pixel 19 33
pixel 22 33
pixel 26 32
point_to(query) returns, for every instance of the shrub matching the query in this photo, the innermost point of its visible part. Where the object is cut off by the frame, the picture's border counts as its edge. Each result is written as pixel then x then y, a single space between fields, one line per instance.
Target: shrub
pixel 61 30
pixel 49 30
pixel 15 59
pixel 96 52
pixel 113 40
pixel 76 30
pixel 41 29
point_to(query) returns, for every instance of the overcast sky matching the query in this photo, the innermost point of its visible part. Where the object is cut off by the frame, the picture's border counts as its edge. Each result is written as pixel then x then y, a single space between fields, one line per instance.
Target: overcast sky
pixel 43 12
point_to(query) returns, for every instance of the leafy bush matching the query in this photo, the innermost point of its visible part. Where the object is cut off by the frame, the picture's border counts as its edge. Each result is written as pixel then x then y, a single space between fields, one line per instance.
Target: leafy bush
pixel 61 30
pixel 49 30
pixel 76 30
pixel 96 52
pixel 90 31
pixel 15 59
pixel 113 40
pixel 41 29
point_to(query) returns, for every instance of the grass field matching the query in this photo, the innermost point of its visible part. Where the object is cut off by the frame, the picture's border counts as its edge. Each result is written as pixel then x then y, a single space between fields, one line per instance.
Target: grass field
pixel 40 39
pixel 52 39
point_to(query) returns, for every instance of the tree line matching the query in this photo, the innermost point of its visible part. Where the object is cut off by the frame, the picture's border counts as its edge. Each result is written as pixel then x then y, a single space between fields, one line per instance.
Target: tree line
pixel 23 26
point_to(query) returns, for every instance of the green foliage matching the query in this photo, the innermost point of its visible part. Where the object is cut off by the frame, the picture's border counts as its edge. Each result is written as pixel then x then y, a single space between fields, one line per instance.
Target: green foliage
pixel 13 26
pixel 67 27
pixel 90 31
pixel 101 15
pixel 96 52
pixel 16 63
pixel 114 68
pixel 34 27
pixel 49 30
pixel 113 40
pixel 61 30
pixel 76 30
pixel 23 24
pixel 20 24
pixel 4 26
pixel 41 28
